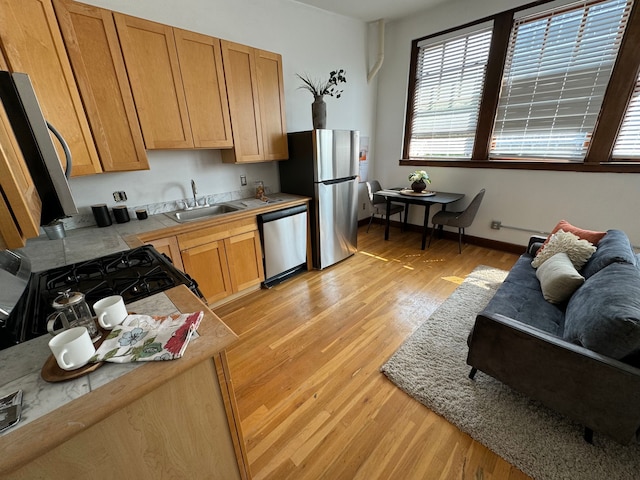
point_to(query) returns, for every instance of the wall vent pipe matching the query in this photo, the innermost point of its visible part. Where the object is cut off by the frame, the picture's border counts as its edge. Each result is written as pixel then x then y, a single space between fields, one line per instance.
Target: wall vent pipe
pixel 374 70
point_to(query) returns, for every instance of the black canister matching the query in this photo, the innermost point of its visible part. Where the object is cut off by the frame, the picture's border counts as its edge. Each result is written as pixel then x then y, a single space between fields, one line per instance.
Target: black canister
pixel 142 214
pixel 101 214
pixel 121 214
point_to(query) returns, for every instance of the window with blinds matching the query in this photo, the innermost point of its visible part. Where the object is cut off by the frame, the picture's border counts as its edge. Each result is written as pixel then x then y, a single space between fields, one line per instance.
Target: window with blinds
pixel 448 86
pixel 558 66
pixel 628 143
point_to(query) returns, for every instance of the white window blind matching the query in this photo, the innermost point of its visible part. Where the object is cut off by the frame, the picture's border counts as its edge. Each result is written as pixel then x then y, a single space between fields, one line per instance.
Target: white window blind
pixel 449 80
pixel 557 69
pixel 628 142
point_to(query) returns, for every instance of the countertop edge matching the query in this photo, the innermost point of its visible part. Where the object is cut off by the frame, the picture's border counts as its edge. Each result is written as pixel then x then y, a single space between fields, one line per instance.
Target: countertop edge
pixel 137 239
pixel 62 424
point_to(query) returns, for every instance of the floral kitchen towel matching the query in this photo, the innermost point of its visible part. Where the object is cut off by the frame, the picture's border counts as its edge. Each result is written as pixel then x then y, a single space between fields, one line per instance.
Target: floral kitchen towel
pixel 144 337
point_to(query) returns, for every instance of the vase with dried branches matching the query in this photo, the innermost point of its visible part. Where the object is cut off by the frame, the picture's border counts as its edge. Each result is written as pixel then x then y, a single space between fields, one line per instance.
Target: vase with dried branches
pixel 320 88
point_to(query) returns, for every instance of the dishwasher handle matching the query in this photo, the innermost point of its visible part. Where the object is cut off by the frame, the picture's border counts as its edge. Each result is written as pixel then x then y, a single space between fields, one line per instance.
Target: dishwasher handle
pixel 278 214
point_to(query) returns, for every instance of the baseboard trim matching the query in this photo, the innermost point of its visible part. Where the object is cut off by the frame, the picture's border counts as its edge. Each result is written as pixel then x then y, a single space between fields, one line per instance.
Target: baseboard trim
pixel 470 239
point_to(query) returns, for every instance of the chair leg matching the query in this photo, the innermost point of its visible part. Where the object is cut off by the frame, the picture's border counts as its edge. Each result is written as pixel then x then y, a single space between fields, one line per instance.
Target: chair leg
pixel 473 372
pixel 460 230
pixel 370 220
pixel 588 435
pixel 433 229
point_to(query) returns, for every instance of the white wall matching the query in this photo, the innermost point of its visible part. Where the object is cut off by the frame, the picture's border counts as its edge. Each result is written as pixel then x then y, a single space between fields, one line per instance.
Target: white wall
pixel 310 41
pixel 527 199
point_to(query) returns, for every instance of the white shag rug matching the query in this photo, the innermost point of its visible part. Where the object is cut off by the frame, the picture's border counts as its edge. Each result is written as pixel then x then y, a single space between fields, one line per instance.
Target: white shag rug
pixel 431 367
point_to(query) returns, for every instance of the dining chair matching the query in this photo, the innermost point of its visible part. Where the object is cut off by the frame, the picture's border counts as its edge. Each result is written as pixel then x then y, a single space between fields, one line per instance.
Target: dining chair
pixel 461 220
pixel 379 204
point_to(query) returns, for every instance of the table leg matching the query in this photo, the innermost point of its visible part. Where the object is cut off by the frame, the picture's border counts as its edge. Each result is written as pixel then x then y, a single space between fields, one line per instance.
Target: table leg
pixel 425 226
pixel 386 227
pixel 406 216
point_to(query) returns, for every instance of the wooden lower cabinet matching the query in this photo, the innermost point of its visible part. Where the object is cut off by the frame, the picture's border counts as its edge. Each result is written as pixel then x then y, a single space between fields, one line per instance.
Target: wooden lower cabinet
pixel 223 259
pixel 208 265
pixel 169 247
pixel 244 256
pixel 179 430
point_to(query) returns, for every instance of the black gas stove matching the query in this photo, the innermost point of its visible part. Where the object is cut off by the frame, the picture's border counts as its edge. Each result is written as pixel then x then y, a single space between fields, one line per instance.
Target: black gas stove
pixel 134 274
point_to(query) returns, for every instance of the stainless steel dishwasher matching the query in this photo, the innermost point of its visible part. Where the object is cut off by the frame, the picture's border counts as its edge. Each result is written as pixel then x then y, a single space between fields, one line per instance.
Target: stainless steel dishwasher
pixel 284 243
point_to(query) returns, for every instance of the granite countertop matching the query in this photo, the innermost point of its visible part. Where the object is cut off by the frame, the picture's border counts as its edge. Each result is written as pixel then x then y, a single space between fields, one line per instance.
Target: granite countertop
pixel 65 409
pixel 82 244
pixel 22 364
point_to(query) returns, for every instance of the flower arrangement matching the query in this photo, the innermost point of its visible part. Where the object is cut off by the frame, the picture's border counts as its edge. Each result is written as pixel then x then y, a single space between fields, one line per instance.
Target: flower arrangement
pixel 320 88
pixel 420 175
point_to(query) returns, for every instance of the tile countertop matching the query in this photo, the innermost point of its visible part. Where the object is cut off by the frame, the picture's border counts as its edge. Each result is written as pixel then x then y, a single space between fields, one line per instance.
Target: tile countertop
pixel 82 244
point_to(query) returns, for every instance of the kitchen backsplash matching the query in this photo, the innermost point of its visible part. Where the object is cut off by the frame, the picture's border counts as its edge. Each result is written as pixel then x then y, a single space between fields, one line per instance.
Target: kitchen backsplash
pixel 85 216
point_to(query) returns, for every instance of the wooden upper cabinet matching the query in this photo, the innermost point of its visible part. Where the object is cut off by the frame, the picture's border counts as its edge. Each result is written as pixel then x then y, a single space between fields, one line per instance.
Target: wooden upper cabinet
pixel 256 102
pixel 205 90
pixel 178 85
pixel 151 58
pixel 244 103
pixel 271 94
pixel 20 205
pixel 32 44
pixel 92 43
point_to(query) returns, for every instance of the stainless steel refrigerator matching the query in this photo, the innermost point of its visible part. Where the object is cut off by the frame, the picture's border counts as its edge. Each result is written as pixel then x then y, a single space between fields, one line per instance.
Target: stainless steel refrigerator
pixel 323 165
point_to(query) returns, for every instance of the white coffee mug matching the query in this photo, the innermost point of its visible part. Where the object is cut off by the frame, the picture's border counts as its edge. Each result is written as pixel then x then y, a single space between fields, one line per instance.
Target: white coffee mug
pixel 110 311
pixel 72 348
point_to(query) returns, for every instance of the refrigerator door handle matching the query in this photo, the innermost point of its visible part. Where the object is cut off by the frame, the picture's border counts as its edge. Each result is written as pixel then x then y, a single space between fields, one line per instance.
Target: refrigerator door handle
pixel 338 180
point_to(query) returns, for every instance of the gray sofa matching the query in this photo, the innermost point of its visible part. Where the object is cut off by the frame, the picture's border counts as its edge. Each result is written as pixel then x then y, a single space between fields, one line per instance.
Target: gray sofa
pixel 580 358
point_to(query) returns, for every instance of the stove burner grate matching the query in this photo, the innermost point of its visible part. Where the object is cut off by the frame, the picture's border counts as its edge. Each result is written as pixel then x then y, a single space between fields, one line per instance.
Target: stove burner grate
pixel 134 274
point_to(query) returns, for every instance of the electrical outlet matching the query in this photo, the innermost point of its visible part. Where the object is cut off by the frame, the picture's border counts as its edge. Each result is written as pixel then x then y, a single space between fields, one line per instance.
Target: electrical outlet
pixel 496 224
pixel 364 206
pixel 243 180
pixel 119 196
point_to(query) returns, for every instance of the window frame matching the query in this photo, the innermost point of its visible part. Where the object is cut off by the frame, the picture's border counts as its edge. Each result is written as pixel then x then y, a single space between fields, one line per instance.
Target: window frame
pixel 616 100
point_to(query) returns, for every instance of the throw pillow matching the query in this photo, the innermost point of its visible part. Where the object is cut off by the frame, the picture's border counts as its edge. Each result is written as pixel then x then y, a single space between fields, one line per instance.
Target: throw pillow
pixel 613 248
pixel 588 235
pixel 558 278
pixel 604 314
pixel 579 251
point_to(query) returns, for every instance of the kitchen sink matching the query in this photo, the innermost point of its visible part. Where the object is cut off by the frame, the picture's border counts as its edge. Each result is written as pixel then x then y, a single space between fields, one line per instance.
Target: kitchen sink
pixel 182 216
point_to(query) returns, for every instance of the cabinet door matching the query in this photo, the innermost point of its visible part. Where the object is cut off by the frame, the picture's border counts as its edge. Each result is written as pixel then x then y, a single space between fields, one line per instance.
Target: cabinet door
pixel 32 43
pixel 92 42
pixel 272 107
pixel 151 58
pixel 207 264
pixel 205 90
pixel 20 206
pixel 244 255
pixel 169 247
pixel 244 103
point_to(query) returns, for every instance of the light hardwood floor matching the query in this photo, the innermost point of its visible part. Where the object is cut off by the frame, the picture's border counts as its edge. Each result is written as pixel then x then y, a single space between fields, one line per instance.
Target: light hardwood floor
pixel 312 401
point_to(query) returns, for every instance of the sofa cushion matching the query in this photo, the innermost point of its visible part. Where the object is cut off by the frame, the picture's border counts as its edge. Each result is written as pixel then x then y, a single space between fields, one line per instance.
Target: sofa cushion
pixel 520 298
pixel 558 278
pixel 578 250
pixel 613 248
pixel 604 314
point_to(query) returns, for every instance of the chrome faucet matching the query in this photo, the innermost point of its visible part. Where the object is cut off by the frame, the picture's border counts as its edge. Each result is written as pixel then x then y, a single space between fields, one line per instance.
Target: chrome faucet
pixel 195 191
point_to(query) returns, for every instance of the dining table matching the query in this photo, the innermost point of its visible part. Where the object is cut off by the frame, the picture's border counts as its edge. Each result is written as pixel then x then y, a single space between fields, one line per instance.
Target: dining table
pixel 409 197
